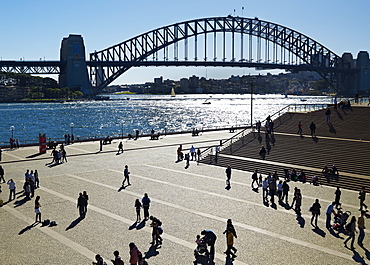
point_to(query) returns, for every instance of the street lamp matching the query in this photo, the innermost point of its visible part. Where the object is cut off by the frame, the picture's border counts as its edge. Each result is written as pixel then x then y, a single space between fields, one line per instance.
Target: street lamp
pixel 121 129
pixel 72 125
pixel 12 129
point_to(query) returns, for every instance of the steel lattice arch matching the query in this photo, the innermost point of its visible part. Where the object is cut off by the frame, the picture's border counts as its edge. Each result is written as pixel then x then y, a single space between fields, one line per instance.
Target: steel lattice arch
pixel 218 41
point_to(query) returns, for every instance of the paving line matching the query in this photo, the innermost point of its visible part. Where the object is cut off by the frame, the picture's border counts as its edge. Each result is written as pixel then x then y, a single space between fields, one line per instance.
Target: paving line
pixel 8 154
pixel 128 221
pixel 50 232
pixel 221 219
pixel 241 183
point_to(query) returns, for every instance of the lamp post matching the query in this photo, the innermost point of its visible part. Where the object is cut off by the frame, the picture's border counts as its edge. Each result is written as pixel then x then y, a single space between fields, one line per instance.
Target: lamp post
pixel 122 130
pixel 12 129
pixel 72 125
pixel 252 105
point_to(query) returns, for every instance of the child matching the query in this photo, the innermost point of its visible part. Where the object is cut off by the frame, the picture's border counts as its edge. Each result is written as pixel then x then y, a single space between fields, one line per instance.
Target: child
pixel 199 241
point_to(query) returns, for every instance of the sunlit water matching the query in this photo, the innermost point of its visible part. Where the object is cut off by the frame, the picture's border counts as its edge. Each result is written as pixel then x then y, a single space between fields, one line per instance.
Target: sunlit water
pixel 142 112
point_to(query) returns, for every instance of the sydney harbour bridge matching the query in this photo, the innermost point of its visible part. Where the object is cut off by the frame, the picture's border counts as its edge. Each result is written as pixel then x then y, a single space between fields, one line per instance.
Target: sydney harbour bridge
pixel 217 41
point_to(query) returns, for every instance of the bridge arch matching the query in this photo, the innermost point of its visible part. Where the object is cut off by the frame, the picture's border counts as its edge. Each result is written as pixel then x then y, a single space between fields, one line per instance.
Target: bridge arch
pixel 261 44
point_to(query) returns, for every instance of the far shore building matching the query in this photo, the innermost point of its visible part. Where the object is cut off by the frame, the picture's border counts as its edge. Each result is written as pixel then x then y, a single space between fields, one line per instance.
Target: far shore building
pixel 13 93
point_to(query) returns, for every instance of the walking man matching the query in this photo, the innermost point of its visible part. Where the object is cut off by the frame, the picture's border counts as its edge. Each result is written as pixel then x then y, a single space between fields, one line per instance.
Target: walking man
pixel 81 205
pixel 315 209
pixel 228 176
pixel 254 178
pixel 329 211
pixel 126 174
pixel 361 228
pixel 313 129
pixel 146 202
pixel 337 193
pixel 264 189
pixel 2 174
pixel 299 128
pixel 362 195
pixel 120 147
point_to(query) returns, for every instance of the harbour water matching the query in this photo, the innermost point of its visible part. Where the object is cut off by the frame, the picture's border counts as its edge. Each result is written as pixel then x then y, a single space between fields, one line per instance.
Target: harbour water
pixel 125 113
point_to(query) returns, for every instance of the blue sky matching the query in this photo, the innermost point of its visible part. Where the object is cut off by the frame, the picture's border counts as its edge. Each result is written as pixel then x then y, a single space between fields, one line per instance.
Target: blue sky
pixel 35 29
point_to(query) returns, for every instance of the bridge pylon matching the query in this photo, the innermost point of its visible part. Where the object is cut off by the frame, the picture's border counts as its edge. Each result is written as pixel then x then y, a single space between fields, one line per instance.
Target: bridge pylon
pixel 74 73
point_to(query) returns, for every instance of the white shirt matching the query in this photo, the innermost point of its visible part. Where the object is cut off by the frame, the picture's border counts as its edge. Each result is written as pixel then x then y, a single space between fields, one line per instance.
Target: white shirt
pixel 11 185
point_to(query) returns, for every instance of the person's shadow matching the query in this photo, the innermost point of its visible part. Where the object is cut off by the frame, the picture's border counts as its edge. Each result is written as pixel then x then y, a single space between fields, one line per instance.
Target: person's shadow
pixel 203 260
pixel 74 223
pixel 27 228
pixel 318 231
pixel 332 129
pixel 152 252
pixel 301 221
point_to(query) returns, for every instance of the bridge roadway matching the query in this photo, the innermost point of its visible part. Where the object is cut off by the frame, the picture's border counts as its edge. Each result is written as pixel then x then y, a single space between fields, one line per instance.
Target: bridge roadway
pixel 186 200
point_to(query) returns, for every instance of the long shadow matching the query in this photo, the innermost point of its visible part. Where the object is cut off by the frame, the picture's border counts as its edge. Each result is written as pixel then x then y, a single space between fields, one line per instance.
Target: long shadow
pixel 34 155
pixel 21 202
pixel 74 223
pixel 140 225
pixel 332 232
pixel 301 221
pixel 152 252
pixel 229 261
pixel 315 139
pixel 27 228
pixel 122 188
pixel 356 257
pixel 203 260
pixel 318 231
pixel 339 115
pixel 332 129
pixel 54 165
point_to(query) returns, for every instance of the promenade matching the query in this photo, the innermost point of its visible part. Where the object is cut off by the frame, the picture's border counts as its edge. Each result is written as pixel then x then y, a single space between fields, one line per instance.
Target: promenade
pixel 185 200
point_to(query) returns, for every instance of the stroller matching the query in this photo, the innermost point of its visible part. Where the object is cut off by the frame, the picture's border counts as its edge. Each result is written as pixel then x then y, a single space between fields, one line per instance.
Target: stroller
pixel 201 250
pixel 340 220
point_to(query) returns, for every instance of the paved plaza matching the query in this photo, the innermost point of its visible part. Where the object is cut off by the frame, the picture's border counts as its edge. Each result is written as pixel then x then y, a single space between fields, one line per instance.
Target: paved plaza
pixel 187 201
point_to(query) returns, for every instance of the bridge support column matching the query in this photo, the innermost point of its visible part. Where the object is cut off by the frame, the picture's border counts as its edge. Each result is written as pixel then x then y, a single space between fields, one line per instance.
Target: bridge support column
pixel 74 74
pixel 363 76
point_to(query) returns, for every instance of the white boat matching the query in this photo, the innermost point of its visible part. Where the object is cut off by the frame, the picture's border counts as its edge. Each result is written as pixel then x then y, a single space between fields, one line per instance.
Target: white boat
pixel 173 93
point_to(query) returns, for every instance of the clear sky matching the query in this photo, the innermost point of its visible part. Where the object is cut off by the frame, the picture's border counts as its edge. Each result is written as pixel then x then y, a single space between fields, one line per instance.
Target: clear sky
pixel 35 29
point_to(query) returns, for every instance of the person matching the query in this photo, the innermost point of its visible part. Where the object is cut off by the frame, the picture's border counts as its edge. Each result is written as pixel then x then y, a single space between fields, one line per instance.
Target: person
pixel 265 184
pixel 37 209
pixel 192 153
pixel 120 147
pixel 228 175
pixel 329 211
pixel 361 228
pixel 2 174
pixel 187 159
pixel 285 192
pixel 12 188
pixel 81 205
pixel 156 224
pixel 210 239
pixel 313 129
pixel 299 128
pixel 337 193
pixel 179 153
pixel 280 190
pixel 141 261
pixel 1 153
pixel 362 195
pixel 315 210
pixel 334 172
pixel 254 178
pixel 198 156
pixel 146 203
pixel 258 126
pixel 217 151
pixel 272 188
pixel 27 189
pixel 126 174
pixel 298 202
pixel 99 260
pixel 335 103
pixel 134 254
pixel 263 152
pixel 117 259
pixel 86 197
pixel 328 113
pixel 351 228
pixel 64 155
pixel 325 171
pixel 138 209
pixel 230 234
pixel 37 180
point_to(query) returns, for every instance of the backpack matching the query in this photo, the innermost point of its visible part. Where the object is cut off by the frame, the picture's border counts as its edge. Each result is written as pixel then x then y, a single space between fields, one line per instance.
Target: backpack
pixel 254 176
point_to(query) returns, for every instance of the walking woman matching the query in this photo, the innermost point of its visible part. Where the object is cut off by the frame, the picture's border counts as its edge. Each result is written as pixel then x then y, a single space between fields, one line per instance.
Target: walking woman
pixel 37 209
pixel 138 209
pixel 351 228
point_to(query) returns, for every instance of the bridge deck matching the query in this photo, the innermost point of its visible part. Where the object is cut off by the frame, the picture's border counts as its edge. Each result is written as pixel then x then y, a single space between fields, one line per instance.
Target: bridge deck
pixel 345 143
